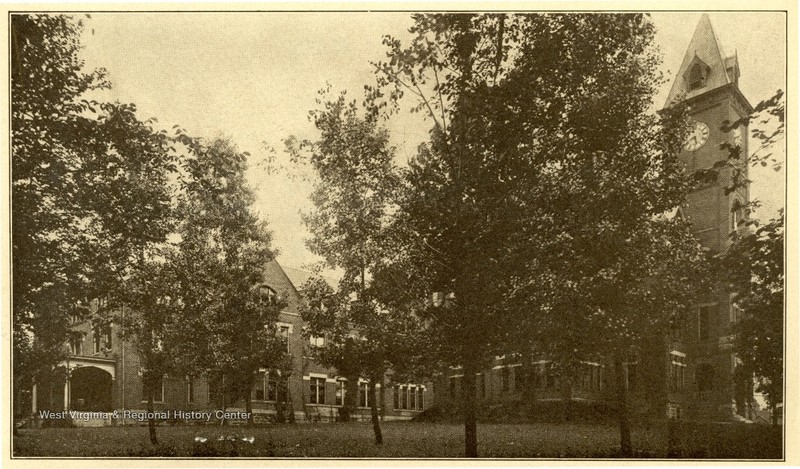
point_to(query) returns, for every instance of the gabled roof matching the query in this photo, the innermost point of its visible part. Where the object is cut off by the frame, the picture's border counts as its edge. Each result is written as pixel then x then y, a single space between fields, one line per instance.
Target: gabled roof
pixel 299 277
pixel 704 48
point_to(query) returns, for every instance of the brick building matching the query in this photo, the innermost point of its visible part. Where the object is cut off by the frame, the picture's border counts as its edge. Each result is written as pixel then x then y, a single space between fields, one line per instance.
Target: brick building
pixel 689 374
pixel 103 374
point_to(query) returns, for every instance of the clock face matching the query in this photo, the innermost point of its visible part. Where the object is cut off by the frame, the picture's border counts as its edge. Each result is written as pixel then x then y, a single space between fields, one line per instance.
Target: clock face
pixel 697 137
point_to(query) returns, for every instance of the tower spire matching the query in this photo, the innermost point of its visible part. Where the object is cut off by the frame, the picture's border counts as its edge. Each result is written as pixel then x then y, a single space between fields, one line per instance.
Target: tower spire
pixel 705 66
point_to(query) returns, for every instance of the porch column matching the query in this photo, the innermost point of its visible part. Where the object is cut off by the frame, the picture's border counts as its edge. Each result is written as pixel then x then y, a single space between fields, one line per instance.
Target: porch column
pixel 114 394
pixel 34 398
pixel 66 394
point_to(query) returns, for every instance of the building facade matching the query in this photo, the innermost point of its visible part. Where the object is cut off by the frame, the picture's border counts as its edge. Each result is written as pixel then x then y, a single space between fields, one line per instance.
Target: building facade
pixel 103 374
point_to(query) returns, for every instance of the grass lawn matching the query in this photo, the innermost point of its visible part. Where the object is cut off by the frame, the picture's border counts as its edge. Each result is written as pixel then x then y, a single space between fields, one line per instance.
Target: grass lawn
pixel 401 440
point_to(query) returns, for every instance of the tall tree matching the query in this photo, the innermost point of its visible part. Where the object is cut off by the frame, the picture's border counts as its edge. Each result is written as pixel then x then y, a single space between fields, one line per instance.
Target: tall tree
pixel 753 264
pixel 90 188
pixel 48 128
pixel 228 316
pixel 754 267
pixel 353 199
pixel 146 309
pixel 543 179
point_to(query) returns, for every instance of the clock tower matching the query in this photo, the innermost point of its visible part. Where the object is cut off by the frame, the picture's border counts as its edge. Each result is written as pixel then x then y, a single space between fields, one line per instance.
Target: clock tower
pixel 707 83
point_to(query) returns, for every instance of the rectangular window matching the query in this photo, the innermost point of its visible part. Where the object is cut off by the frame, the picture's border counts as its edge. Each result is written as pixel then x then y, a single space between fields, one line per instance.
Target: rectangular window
pixel 736 313
pixel 363 394
pixel 158 391
pixel 190 390
pixel 341 389
pixel 272 386
pixel 505 377
pixel 284 332
pixel 397 397
pixel 598 378
pixel 550 375
pixel 277 388
pixel 259 387
pixel 677 371
pixel 453 389
pixel 538 376
pixel 705 316
pixel 107 334
pixel 97 339
pixel 590 376
pixel 317 395
pixel 520 378
pixel 421 399
pixel 317 340
pixel 76 344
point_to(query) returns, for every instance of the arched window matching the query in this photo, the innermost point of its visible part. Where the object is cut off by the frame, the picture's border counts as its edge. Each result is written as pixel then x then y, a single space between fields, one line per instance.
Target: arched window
pixel 268 295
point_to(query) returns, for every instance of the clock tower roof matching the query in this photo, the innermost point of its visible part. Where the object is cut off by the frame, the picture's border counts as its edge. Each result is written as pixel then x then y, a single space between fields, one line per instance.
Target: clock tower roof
pixel 705 66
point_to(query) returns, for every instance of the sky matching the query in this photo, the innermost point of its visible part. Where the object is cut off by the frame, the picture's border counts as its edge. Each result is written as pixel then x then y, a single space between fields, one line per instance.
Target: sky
pixel 254 76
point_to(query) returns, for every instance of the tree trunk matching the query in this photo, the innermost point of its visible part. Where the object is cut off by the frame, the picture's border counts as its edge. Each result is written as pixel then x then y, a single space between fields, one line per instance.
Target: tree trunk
pixel 248 403
pixel 280 400
pixel 470 414
pixel 376 423
pixel 350 396
pixel 566 396
pixel 673 439
pixel 224 421
pixel 774 408
pixel 151 418
pixel 289 403
pixel 622 410
pixel 16 410
pixel 383 400
pixel 51 394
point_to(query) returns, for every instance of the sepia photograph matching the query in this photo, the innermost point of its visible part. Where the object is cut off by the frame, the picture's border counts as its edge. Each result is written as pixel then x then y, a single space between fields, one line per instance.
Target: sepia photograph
pixel 437 234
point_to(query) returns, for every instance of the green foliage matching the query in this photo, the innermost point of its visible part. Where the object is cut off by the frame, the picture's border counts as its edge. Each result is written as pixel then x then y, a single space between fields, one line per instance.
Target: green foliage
pixel 89 188
pixel 354 198
pixel 767 131
pixel 226 320
pixel 536 207
pixel 754 268
pixel 568 185
pixel 753 264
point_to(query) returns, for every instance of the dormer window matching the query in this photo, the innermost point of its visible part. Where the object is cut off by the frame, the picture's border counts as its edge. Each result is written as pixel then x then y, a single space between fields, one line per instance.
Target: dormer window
pixel 696 75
